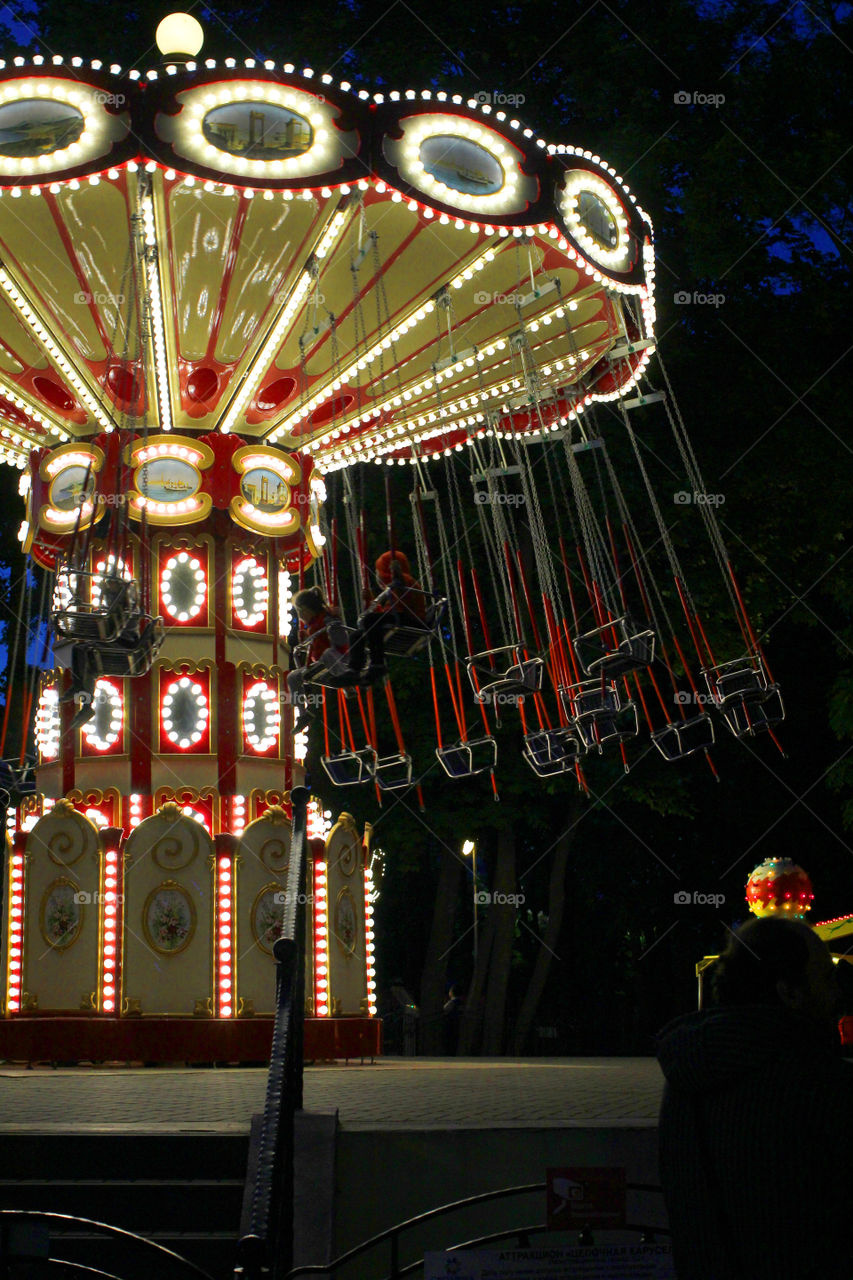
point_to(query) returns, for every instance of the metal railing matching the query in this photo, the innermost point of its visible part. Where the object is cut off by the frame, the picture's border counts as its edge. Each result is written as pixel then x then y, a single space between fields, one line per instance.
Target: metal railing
pixel 522 1234
pixel 33 1247
pixel 265 1247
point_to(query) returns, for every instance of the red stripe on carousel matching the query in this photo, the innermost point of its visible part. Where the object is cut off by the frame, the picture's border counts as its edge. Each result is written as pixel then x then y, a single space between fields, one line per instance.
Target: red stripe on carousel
pixel 226 677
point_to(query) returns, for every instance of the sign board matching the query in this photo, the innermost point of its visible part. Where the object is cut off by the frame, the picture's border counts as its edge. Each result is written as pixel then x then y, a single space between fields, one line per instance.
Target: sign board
pixel 575 1262
pixel 580 1197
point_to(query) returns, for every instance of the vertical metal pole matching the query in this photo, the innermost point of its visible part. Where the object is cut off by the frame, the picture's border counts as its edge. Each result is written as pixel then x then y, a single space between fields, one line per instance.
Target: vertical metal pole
pixel 474 873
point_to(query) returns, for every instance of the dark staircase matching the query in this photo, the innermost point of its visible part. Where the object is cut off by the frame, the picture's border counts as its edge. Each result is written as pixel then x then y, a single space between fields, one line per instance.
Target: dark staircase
pixel 182 1190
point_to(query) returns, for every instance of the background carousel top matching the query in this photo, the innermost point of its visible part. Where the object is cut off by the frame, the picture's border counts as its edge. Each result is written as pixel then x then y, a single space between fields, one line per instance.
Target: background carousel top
pixel 253 251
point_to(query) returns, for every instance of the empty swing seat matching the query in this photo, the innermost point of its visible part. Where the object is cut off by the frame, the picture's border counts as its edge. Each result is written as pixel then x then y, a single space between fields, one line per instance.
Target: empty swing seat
pixel 680 739
pixel 736 682
pixel 606 727
pixel 615 649
pixel 589 698
pixel 551 751
pixel 492 680
pixel 467 759
pixel 393 773
pixel 748 717
pixel 350 768
pixel 404 639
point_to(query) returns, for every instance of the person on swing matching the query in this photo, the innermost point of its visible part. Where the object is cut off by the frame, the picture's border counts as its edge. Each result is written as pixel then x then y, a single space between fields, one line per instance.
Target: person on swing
pixel 327 652
pixel 401 603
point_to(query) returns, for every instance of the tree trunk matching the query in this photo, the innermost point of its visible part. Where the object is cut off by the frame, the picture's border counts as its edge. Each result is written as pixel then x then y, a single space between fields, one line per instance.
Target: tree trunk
pixel 502 915
pixel 472 1016
pixel 434 976
pixel 542 966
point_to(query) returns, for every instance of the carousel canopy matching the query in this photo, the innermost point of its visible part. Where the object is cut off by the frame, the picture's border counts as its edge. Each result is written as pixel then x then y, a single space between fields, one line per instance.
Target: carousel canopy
pixel 260 251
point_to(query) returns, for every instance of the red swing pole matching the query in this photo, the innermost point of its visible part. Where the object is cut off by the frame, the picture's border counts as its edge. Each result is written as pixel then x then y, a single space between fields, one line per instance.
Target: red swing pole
pixel 469 639
pixel 435 707
pixel 398 734
pixel 569 588
pixel 374 740
pixel 752 636
pixel 481 610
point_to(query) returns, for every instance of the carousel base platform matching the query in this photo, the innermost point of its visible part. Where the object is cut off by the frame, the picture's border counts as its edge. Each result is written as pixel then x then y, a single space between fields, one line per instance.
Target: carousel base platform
pixel 69 1037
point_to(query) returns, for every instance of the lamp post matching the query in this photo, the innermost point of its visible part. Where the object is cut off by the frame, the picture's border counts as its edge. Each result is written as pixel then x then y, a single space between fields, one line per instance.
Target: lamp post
pixel 469 849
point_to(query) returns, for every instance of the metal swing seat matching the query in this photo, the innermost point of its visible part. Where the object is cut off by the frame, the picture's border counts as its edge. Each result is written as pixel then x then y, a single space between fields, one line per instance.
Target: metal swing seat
pixel 350 768
pixel 737 682
pixel 128 655
pixel 80 620
pixel 749 717
pixel 551 751
pixel 402 639
pixel 393 773
pixel 520 677
pixel 467 759
pixel 597 714
pixel 615 649
pixel 323 677
pixel 682 738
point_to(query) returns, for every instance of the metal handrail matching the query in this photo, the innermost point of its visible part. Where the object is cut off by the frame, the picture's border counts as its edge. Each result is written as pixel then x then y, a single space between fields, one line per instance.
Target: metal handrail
pixel 266 1246
pixel 393 1233
pixel 40 1215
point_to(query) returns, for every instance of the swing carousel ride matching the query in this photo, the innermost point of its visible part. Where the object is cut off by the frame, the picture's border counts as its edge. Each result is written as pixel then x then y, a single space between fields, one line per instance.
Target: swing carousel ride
pixel 224 288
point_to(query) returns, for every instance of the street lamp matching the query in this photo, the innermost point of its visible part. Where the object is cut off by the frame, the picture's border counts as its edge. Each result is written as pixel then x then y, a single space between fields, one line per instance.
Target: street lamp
pixel 469 849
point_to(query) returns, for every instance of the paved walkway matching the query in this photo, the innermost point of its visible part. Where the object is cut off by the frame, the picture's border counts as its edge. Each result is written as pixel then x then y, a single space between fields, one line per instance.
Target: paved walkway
pixel 392 1093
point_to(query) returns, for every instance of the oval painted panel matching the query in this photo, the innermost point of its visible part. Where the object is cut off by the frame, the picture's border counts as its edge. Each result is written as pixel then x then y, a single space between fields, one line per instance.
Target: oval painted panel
pixel 37 127
pixel 461 164
pixel 597 220
pixel 266 490
pixel 71 487
pixel 168 919
pixel 167 480
pixel 268 917
pixel 61 914
pixel 257 130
